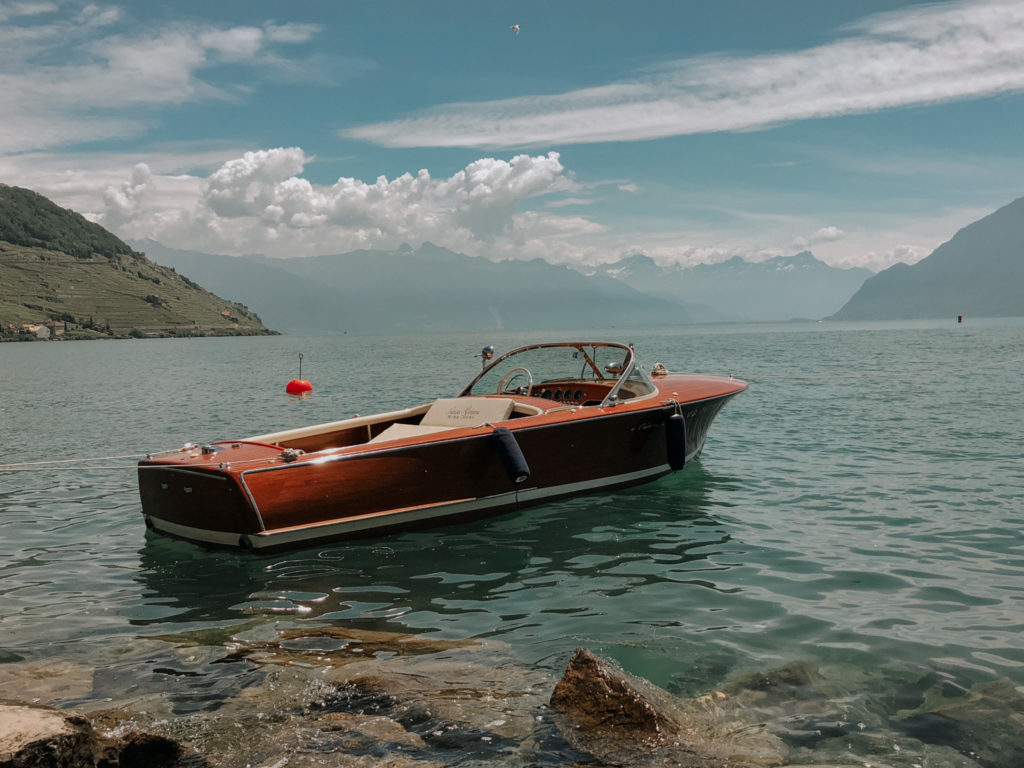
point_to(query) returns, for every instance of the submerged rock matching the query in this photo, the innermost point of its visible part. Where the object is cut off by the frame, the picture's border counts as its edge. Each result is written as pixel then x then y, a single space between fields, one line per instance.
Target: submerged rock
pixel 48 680
pixel 336 646
pixel 469 692
pixel 987 722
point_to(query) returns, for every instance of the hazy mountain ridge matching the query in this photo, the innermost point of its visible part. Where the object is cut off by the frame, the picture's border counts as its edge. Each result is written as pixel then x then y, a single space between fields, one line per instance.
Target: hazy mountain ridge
pixel 424 289
pixel 57 266
pixel 75 279
pixel 978 272
pixel 780 288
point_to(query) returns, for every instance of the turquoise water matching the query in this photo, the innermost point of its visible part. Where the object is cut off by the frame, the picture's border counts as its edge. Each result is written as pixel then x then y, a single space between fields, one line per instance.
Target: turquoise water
pixel 859 508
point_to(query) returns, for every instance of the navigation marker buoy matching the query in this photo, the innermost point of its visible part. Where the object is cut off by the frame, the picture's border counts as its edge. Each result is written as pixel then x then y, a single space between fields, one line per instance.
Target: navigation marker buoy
pixel 299 386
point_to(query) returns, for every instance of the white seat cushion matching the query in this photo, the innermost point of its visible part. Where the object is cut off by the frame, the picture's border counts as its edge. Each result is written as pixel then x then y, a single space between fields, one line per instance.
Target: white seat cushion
pixel 467 411
pixel 399 431
pixel 451 412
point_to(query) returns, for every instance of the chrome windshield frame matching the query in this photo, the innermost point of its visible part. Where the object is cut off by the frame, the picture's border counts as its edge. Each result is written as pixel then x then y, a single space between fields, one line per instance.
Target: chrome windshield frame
pixel 613 393
pixel 620 377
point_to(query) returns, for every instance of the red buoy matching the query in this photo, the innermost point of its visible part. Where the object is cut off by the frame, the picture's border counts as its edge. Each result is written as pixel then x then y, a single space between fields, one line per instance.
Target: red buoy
pixel 299 386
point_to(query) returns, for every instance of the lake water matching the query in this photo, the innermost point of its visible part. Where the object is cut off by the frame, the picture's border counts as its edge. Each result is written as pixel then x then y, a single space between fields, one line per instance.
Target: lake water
pixel 859 508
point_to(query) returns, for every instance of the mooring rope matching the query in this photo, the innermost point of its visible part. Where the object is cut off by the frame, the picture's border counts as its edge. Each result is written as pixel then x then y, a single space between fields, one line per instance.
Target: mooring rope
pixel 4 468
pixel 85 463
pixel 81 461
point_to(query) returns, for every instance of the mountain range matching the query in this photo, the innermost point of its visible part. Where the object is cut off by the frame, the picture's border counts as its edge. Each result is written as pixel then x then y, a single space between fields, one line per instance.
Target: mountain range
pixel 778 289
pixel 429 288
pixel 57 266
pixel 978 272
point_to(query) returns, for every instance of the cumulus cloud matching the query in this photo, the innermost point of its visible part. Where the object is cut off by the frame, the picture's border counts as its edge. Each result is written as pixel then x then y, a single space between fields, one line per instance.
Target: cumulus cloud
pixel 879 260
pixel 826 234
pixel 480 199
pixel 922 55
pixel 823 235
pixel 261 201
pixel 124 201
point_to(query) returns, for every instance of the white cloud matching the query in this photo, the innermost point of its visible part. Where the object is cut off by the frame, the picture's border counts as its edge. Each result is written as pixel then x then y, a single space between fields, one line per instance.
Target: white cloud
pixel 98 16
pixel 826 234
pixel 109 70
pixel 234 44
pixel 923 55
pixel 261 201
pixel 124 201
pixel 823 235
pixel 230 201
pixel 249 184
pixel 14 10
pixel 290 33
pixel 565 202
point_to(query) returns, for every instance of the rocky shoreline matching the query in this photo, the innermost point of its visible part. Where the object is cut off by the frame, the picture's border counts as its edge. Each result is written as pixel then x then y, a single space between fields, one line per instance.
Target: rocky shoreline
pixel 336 697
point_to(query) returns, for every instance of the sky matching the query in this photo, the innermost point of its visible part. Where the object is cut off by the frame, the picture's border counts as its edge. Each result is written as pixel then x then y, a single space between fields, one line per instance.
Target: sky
pixel 578 131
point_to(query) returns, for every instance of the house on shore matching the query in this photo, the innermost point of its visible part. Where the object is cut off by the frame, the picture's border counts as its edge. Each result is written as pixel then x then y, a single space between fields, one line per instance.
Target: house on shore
pixel 51 329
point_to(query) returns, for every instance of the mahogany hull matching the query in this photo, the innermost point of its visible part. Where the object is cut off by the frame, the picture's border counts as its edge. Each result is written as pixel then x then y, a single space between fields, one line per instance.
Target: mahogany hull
pixel 242 495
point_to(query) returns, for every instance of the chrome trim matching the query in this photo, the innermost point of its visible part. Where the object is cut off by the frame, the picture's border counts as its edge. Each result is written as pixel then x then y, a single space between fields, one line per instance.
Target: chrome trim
pixel 221 538
pixel 613 393
pixel 252 501
pixel 467 390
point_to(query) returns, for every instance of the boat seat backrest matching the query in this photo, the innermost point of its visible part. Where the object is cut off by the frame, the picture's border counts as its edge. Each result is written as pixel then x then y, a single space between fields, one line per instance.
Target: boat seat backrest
pixel 467 411
pixel 449 413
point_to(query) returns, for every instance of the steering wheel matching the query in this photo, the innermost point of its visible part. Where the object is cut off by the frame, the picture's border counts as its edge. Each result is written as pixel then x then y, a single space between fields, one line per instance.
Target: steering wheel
pixel 511 375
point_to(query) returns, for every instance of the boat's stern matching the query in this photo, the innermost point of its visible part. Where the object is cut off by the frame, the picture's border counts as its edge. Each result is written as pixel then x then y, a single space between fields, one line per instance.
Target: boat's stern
pixel 194 494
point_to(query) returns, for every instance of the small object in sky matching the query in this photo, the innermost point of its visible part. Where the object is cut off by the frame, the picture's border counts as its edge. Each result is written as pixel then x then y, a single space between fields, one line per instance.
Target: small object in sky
pixel 515 30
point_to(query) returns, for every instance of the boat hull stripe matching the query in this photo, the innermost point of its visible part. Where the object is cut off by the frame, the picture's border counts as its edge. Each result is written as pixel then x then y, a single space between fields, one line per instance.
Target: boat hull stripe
pixel 397 518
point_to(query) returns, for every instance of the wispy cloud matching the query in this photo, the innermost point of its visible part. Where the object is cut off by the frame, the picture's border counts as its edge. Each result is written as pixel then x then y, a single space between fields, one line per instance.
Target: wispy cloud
pixel 924 55
pixel 73 75
pixel 15 9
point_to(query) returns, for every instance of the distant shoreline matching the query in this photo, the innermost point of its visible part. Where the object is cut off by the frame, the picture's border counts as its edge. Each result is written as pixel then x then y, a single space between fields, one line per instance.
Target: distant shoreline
pixel 201 333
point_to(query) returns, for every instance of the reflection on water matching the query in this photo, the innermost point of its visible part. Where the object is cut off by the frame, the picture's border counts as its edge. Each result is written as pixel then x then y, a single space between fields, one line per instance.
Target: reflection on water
pixel 530 574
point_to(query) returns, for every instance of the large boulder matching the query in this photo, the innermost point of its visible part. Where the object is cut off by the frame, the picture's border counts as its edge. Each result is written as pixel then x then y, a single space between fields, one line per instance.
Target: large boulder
pixel 40 737
pixel 36 736
pixel 623 719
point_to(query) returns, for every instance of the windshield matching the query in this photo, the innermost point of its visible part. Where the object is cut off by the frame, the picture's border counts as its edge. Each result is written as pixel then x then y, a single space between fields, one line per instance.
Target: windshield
pixel 529 367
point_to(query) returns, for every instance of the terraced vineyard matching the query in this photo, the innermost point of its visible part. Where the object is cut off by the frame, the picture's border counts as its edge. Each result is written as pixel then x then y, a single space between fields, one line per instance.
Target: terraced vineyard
pixel 56 266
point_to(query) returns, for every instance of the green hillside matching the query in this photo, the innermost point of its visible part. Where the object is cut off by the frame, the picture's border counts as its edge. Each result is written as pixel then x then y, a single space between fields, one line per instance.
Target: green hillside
pixel 57 266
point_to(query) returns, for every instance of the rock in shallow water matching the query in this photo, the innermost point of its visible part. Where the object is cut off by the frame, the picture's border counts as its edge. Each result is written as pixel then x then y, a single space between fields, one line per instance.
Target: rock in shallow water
pixel 625 720
pixel 38 737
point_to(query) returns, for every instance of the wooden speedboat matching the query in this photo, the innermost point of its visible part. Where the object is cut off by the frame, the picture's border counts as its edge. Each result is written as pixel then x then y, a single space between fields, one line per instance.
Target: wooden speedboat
pixel 541 422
